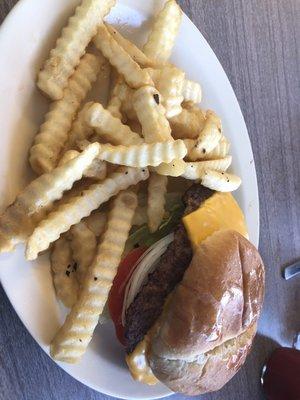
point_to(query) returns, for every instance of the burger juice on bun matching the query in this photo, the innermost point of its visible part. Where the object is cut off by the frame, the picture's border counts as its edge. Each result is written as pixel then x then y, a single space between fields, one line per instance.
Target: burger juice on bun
pixel 187 307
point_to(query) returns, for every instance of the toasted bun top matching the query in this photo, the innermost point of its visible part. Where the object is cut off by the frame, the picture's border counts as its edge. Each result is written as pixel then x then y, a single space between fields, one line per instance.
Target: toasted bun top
pixel 210 318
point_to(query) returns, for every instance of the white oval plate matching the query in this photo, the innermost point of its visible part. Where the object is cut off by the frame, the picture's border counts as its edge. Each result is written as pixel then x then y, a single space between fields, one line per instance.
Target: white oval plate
pixel 25 40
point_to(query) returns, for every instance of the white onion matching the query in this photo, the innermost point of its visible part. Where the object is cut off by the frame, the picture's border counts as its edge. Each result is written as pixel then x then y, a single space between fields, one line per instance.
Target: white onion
pixel 146 265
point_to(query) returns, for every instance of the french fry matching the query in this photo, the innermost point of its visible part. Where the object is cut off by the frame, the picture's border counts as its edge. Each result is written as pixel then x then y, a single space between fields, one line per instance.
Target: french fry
pixel 157 190
pixel 72 212
pixel 135 53
pixel 126 96
pixel 196 170
pixel 53 134
pixel 114 107
pixel 143 155
pixel 80 129
pixel 162 37
pixel 18 222
pixel 188 124
pixel 110 128
pixel 175 168
pixel 133 74
pixel 97 169
pixel 115 104
pixel 72 340
pixel 209 138
pixel 220 151
pixel 152 115
pixel 192 92
pixel 169 81
pixel 68 156
pixel 71 46
pixel 140 217
pixel 97 222
pixel 63 272
pixel 220 181
pixel 83 245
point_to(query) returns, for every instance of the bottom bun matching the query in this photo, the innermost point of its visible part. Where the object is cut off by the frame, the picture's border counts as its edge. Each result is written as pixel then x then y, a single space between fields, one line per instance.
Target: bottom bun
pixel 209 372
pixel 209 321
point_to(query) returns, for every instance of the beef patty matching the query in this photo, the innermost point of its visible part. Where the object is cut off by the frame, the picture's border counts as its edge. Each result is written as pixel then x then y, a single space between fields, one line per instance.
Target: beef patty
pixel 148 304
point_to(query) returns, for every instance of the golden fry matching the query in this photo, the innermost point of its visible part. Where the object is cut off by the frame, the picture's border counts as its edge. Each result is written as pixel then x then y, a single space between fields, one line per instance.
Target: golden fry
pixel 72 340
pixel 134 76
pixel 209 138
pixel 162 37
pixel 83 246
pixel 19 219
pixel 175 168
pixel 111 128
pixel 143 155
pixel 71 46
pixel 135 53
pixel 188 124
pixel 221 181
pixel 53 134
pixel 77 208
pixel 192 92
pixel 196 170
pixel 157 190
pixel 152 115
pixel 63 272
pixel 97 222
pixel 80 129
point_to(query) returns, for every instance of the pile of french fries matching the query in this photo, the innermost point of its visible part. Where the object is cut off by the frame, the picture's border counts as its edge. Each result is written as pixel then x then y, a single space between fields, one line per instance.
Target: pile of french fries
pixel 91 158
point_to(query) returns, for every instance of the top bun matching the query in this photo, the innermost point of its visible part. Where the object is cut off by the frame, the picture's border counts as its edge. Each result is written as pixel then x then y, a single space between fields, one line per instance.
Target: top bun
pixel 207 327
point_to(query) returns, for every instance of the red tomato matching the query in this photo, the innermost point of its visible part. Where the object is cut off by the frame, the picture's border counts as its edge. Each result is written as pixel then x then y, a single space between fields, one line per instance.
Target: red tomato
pixel 117 292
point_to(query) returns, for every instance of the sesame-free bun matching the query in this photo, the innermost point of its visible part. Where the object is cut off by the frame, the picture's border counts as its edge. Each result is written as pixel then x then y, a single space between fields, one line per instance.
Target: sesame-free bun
pixel 209 321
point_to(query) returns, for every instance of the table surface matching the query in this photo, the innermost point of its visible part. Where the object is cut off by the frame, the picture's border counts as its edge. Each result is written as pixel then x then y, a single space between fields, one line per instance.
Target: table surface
pixel 257 43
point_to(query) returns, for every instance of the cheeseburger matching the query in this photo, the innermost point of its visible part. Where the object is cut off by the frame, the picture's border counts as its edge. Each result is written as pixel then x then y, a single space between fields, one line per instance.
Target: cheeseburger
pixel 186 307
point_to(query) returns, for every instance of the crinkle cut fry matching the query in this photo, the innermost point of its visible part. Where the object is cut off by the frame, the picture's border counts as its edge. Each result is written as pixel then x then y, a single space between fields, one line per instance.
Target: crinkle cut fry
pixel 63 273
pixel 72 340
pixel 80 129
pixel 221 181
pixel 143 155
pixel 157 190
pixel 135 53
pixel 19 219
pixel 110 128
pixel 83 244
pixel 71 213
pixel 97 170
pixel 133 74
pixel 71 46
pixel 152 115
pixel 53 134
pixel 196 170
pixel 162 37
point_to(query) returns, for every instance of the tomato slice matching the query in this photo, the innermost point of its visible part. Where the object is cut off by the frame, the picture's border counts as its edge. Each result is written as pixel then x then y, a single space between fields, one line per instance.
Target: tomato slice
pixel 117 292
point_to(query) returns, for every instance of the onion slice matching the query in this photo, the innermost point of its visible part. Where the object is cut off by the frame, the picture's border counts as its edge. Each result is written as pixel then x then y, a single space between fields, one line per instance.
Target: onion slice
pixel 145 265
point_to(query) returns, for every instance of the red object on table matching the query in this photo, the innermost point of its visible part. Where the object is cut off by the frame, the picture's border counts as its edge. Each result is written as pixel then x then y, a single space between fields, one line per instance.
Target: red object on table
pixel 281 376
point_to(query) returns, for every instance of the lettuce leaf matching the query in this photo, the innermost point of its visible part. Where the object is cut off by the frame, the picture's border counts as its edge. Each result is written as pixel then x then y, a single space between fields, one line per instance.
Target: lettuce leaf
pixel 143 237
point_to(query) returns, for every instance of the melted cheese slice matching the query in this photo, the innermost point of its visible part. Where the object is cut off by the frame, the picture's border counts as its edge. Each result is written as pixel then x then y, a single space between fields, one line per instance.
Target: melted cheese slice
pixel 220 211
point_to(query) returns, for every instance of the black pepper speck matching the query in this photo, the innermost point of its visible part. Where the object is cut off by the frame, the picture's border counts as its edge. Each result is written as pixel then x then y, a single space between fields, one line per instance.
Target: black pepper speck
pixel 156 98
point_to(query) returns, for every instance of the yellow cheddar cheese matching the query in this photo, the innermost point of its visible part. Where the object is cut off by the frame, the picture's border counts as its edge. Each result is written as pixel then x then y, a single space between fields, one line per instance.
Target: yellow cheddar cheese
pixel 220 211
